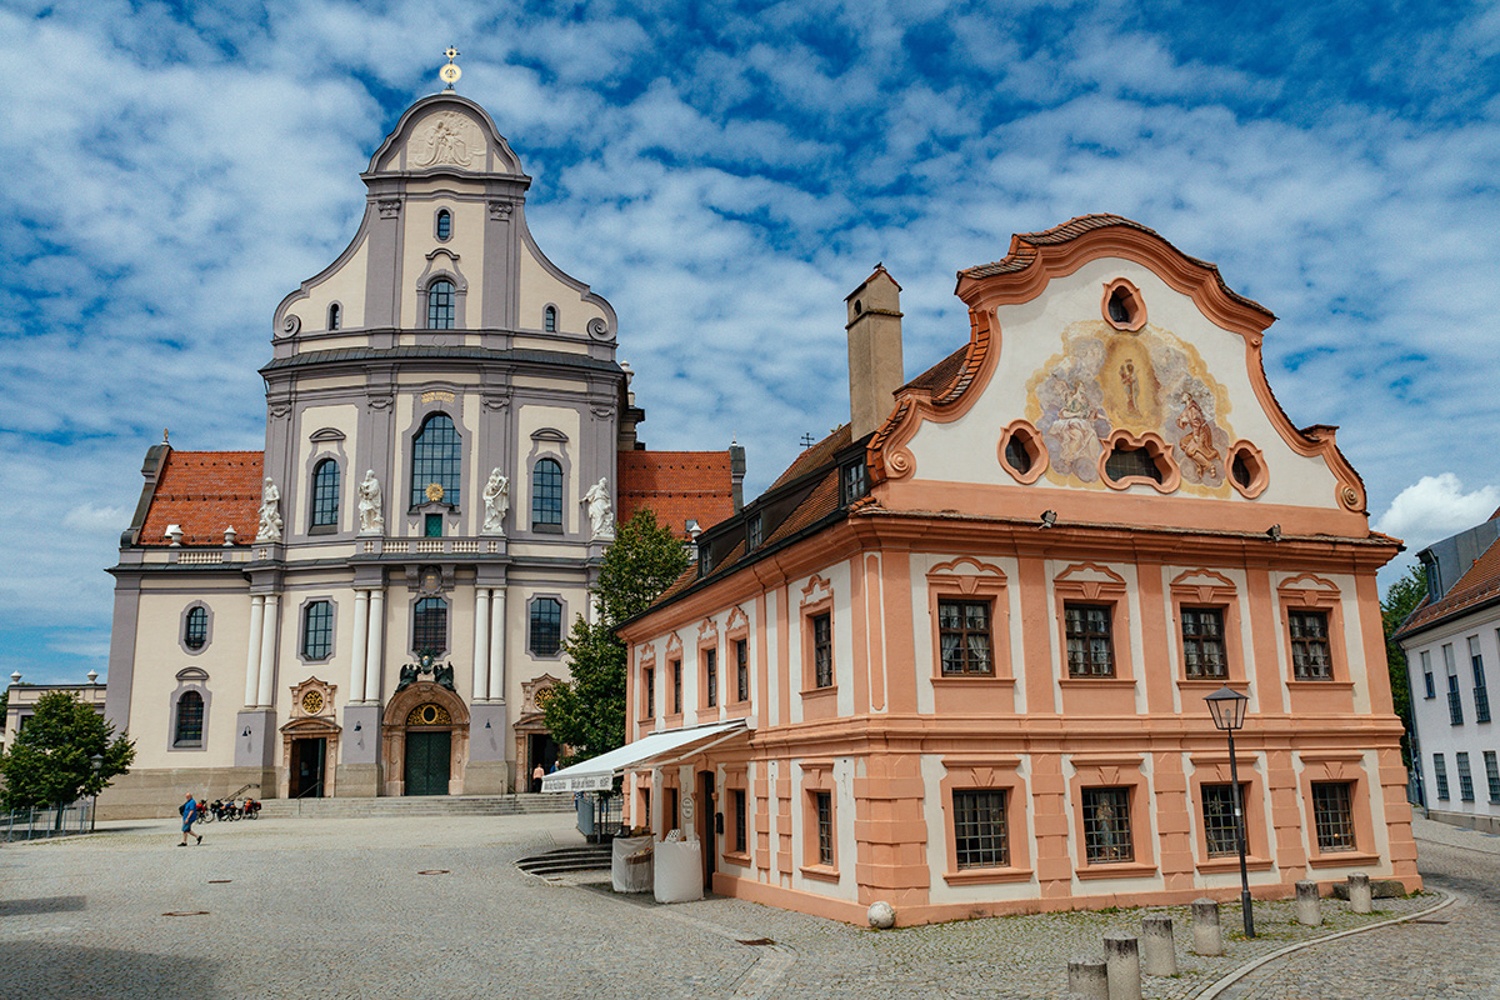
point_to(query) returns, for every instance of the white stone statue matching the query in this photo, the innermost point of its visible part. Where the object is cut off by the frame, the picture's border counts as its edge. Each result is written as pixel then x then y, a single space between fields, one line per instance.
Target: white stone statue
pixel 270 513
pixel 371 521
pixel 601 515
pixel 496 504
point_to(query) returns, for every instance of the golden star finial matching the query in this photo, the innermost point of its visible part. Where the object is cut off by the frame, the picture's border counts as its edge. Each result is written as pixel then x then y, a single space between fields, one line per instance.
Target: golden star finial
pixel 450 73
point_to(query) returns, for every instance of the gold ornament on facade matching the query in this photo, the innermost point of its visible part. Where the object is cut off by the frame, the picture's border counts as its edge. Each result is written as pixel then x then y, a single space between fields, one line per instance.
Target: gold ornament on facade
pixel 450 73
pixel 434 492
pixel 429 715
pixel 312 702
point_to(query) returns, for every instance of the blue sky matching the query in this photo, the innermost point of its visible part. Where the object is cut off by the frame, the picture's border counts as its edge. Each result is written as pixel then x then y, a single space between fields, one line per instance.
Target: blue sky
pixel 725 173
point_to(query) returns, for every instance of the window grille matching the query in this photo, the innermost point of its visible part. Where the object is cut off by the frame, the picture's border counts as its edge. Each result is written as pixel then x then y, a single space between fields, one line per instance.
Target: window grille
pixel 1203 643
pixel 440 313
pixel 1492 775
pixel 317 631
pixel 546 626
pixel 195 629
pixel 711 677
pixel 1219 820
pixel 1465 778
pixel 1455 702
pixel 650 684
pixel 1481 688
pixel 1311 660
pixel 325 512
pixel 822 628
pixel 1123 463
pixel 1440 772
pixel 980 836
pixel 964 637
pixel 444 224
pixel 436 457
pixel 1333 815
pixel 740 839
pixel 742 669
pixel 429 625
pixel 1106 825
pixel 676 687
pixel 1091 651
pixel 189 730
pixel 823 803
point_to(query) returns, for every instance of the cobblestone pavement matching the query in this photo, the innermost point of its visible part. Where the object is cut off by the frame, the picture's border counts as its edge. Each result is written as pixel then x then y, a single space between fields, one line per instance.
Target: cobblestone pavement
pixel 345 908
pixel 1451 955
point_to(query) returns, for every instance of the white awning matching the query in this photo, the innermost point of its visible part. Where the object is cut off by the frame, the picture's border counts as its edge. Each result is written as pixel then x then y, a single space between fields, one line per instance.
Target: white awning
pixel 598 774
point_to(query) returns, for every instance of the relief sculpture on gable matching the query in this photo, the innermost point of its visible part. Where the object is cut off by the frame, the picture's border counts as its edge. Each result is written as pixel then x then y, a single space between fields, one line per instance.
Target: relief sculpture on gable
pixel 445 138
pixel 1106 380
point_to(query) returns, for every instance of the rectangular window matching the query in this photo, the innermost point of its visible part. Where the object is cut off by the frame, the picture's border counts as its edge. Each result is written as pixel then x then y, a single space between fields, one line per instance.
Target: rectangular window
pixel 742 669
pixel 1219 820
pixel 964 637
pixel 676 687
pixel 1465 778
pixel 649 682
pixel 546 626
pixel 1106 825
pixel 1203 643
pixel 429 625
pixel 189 720
pixel 317 630
pixel 754 533
pixel 1333 815
pixel 711 677
pixel 980 837
pixel 855 484
pixel 1440 772
pixel 1455 702
pixel 1091 651
pixel 1311 660
pixel 822 629
pixel 737 798
pixel 1492 775
pixel 1481 689
pixel 823 807
pixel 1427 682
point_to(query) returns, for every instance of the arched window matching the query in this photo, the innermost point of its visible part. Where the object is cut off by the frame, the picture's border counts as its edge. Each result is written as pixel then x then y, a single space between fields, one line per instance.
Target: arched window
pixel 546 626
pixel 440 305
pixel 325 494
pixel 317 630
pixel 549 319
pixel 188 732
pixel 195 628
pixel 444 224
pixel 546 495
pixel 334 316
pixel 429 625
pixel 436 458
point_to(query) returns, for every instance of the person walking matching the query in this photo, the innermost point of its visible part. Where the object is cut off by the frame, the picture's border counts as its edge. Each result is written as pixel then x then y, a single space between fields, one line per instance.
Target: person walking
pixel 537 774
pixel 189 812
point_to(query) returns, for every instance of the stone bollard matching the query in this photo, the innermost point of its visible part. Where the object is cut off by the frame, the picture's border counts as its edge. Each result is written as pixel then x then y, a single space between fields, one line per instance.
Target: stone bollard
pixel 1087 979
pixel 1309 905
pixel 1158 949
pixel 1360 900
pixel 1208 938
pixel 1122 964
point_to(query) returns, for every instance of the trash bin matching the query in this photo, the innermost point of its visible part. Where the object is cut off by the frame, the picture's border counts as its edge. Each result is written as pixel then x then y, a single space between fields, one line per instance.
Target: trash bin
pixel 679 871
pixel 632 864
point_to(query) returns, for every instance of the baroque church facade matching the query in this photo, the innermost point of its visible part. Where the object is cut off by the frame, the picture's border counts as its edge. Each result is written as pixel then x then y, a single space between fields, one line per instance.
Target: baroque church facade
pixel 375 604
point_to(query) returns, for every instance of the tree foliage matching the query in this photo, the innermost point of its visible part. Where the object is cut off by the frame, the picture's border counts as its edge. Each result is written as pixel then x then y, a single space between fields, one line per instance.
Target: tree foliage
pixel 50 761
pixel 1401 599
pixel 587 712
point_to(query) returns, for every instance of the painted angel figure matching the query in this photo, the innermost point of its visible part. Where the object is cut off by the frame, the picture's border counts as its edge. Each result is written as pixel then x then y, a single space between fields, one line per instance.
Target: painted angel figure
pixel 496 504
pixel 600 513
pixel 270 513
pixel 371 521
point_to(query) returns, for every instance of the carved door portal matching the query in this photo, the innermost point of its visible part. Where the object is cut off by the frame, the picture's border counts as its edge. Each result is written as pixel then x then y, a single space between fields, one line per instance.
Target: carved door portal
pixel 427 762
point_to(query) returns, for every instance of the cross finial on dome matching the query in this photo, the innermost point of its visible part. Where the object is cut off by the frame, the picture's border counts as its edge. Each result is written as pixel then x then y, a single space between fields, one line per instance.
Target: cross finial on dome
pixel 450 73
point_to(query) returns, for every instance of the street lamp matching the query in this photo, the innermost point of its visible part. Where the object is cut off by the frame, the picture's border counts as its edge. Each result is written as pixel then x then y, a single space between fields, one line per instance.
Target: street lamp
pixel 98 761
pixel 1228 709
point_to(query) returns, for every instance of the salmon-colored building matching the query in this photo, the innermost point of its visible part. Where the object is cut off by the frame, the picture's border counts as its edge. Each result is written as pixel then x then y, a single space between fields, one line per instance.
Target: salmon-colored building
pixel 955 657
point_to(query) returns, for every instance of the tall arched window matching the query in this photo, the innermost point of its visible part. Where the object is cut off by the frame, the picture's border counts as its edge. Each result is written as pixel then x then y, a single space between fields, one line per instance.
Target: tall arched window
pixel 325 494
pixel 436 457
pixel 188 732
pixel 429 625
pixel 440 305
pixel 546 495
pixel 195 628
pixel 444 224
pixel 549 319
pixel 334 316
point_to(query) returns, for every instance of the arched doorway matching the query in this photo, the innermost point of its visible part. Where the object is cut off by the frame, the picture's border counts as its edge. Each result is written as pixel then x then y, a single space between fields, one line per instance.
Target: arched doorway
pixel 425 739
pixel 309 743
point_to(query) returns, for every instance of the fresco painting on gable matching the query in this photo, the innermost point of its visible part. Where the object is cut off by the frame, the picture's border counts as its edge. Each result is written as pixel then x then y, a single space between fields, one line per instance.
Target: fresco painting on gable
pixel 1106 380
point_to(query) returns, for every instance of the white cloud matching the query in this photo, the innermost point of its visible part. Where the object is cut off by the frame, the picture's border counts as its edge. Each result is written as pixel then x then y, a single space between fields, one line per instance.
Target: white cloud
pixel 1435 507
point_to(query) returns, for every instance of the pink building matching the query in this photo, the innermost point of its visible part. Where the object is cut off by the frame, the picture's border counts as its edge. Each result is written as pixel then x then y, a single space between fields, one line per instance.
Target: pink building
pixel 961 646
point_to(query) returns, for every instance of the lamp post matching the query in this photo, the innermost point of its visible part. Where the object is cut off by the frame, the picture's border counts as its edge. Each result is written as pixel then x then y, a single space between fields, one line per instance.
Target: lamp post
pixel 1228 709
pixel 98 761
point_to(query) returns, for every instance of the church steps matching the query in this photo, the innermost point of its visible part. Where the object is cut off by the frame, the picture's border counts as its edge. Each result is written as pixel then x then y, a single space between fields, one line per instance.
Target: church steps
pixel 425 805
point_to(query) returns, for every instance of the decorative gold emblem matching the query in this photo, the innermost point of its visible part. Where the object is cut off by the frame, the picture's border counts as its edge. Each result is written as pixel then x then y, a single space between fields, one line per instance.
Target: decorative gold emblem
pixel 450 73
pixel 312 702
pixel 429 715
pixel 434 492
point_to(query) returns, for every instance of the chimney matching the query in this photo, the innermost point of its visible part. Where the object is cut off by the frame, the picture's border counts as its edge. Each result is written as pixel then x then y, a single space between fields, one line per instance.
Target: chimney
pixel 737 472
pixel 875 371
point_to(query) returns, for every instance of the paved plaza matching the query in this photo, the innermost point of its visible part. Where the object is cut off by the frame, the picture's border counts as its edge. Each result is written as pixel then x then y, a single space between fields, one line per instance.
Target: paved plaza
pixel 382 908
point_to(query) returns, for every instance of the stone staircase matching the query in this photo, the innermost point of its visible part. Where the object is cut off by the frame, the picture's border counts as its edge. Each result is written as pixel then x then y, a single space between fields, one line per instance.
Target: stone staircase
pixel 568 860
pixel 420 805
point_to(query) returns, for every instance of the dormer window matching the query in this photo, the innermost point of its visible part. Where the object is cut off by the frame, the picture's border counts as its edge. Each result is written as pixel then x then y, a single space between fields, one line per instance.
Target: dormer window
pixel 444 225
pixel 853 480
pixel 335 319
pixel 549 319
pixel 754 532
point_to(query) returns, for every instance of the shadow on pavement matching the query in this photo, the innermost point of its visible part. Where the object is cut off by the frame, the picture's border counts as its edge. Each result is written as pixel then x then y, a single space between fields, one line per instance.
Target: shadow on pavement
pixel 44 904
pixel 39 971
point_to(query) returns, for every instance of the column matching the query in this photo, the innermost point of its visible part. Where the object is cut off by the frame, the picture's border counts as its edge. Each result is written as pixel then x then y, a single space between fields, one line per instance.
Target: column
pixel 268 652
pixel 497 644
pixel 481 644
pixel 252 657
pixel 374 652
pixel 360 643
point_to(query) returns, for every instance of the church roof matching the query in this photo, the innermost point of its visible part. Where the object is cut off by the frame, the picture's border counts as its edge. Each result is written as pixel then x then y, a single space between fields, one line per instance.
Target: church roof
pixel 205 492
pixel 677 486
pixel 1477 588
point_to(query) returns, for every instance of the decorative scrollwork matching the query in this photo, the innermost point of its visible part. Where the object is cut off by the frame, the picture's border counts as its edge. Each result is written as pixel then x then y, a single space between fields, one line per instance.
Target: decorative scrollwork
pixel 599 329
pixel 899 463
pixel 1349 497
pixel 429 715
pixel 291 325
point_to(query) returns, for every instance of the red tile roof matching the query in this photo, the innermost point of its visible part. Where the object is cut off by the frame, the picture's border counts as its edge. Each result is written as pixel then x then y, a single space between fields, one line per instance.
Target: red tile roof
pixel 205 492
pixel 677 486
pixel 815 456
pixel 1478 586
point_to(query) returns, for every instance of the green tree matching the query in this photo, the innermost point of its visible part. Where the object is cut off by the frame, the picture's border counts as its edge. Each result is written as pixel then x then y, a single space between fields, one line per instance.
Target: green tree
pixel 50 761
pixel 1401 599
pixel 587 712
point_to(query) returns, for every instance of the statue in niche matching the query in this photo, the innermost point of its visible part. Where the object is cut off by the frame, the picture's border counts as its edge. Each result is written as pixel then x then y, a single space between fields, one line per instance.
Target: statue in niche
pixel 600 513
pixel 270 513
pixel 371 521
pixel 496 504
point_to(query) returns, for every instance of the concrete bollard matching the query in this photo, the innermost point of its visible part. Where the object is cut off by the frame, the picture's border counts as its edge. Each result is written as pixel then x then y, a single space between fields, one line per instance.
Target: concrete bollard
pixel 1122 964
pixel 1208 937
pixel 1087 979
pixel 1158 949
pixel 1360 899
pixel 1309 904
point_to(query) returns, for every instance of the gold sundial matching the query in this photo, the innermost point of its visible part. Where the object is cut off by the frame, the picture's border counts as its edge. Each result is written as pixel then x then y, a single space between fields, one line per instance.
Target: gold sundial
pixel 312 702
pixel 434 492
pixel 450 73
